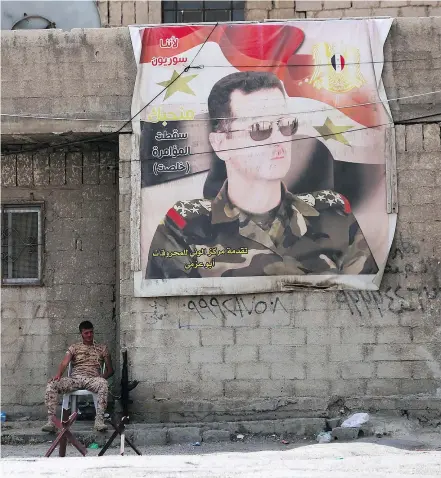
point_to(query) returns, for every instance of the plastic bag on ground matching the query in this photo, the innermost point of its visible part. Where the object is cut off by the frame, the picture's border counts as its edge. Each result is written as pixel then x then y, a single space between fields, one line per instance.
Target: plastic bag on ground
pixel 324 437
pixel 355 420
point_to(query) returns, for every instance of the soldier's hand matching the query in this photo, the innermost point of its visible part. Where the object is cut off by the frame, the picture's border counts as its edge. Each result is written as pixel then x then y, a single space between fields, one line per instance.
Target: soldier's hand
pixel 56 378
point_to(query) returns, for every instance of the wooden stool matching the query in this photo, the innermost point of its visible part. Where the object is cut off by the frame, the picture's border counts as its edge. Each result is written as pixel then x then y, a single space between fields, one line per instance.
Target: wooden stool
pixel 65 435
pixel 119 430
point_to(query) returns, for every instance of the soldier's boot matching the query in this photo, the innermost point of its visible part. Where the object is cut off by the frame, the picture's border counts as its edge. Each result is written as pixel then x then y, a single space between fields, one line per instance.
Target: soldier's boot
pixel 100 426
pixel 49 427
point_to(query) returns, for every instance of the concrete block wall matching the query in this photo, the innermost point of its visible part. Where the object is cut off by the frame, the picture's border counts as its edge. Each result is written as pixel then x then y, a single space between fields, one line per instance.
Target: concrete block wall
pixel 298 354
pixel 79 227
pixel 260 10
pixel 128 12
pixel 264 356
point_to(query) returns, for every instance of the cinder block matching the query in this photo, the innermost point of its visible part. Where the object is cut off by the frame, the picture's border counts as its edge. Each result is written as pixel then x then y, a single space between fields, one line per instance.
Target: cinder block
pixel 416 12
pixel 383 387
pixel 187 435
pixel 334 5
pixel 309 6
pixel 257 336
pixel 400 138
pixel 311 388
pixel 323 336
pixel 213 436
pixel 414 137
pixel 354 388
pixel 183 373
pixel 389 12
pixel 358 335
pixel 395 352
pixel 149 436
pixel 311 353
pixel 282 13
pixel 217 371
pixel 311 319
pixel 208 354
pixel 346 353
pixel 345 434
pixel 242 389
pixel 25 176
pixel 414 386
pixel 259 5
pixel 103 12
pixel 324 370
pixel 394 369
pixel 299 426
pixel 276 353
pixel 332 423
pixel 394 335
pixel 128 13
pixel 256 15
pixel 240 353
pixel 285 371
pixel 431 137
pixel 173 338
pixel 394 3
pixel 252 371
pixel 327 14
pixel 363 4
pixel 142 13
pixel 357 370
pixel 217 336
pixel 115 13
pixel 288 336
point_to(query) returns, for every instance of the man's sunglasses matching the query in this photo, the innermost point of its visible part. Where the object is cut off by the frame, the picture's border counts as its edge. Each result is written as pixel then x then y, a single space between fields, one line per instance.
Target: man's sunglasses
pixel 262 130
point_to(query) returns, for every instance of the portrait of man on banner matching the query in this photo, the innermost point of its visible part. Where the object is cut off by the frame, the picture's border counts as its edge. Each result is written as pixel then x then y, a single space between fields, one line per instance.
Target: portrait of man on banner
pixel 264 162
pixel 268 230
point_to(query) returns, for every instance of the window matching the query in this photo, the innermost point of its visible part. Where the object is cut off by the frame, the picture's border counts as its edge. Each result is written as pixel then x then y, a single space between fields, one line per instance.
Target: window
pixel 207 11
pixel 21 226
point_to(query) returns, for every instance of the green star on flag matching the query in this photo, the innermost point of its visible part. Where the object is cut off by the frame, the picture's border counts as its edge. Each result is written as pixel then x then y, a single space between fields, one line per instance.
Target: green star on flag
pixel 177 83
pixel 331 131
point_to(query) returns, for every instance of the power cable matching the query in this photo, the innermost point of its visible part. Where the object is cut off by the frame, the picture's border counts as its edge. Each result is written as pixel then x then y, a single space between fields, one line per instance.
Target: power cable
pixel 104 135
pixel 406 121
pixel 237 117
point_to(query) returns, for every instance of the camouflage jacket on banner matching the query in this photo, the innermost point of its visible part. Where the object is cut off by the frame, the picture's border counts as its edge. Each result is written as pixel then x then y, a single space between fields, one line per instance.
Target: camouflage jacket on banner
pixel 306 234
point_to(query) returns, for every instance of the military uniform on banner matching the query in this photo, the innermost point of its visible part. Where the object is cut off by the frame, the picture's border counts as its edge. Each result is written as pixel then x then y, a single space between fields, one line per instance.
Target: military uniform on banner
pixel 305 234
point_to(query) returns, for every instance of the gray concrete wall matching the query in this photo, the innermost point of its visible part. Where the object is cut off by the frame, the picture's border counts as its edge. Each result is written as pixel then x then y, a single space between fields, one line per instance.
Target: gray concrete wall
pixel 304 353
pixel 86 77
pixel 38 323
pixel 116 13
pixel 211 358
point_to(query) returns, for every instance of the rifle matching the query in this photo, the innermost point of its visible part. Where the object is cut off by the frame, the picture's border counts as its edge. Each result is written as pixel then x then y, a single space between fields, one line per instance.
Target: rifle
pixel 126 386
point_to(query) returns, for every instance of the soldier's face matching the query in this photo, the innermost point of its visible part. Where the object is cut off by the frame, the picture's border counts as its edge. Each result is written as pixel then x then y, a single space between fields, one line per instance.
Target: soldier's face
pixel 258 144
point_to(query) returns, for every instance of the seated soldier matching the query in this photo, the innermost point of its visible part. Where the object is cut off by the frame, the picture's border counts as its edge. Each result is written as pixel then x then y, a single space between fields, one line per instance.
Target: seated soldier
pixel 87 358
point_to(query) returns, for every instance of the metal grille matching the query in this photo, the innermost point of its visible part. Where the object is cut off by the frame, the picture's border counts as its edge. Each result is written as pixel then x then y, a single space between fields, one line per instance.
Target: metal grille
pixel 21 244
pixel 207 11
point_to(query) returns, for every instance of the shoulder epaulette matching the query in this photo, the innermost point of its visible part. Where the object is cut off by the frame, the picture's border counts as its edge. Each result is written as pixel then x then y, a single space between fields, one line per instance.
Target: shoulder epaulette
pixel 184 211
pixel 326 199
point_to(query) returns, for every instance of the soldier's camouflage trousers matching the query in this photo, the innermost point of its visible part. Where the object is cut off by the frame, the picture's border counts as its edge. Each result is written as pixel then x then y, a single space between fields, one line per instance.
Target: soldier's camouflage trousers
pixel 96 385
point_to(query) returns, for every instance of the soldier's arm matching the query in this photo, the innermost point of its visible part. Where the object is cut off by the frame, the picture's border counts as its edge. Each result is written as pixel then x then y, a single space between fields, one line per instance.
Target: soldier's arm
pixel 357 258
pixel 108 372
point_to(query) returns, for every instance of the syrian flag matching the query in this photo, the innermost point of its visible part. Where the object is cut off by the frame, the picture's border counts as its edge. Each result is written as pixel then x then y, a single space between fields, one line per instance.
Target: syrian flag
pixel 338 62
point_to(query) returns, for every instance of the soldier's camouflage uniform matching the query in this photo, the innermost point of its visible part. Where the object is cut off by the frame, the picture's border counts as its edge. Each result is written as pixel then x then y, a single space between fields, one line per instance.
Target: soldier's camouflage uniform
pixel 86 368
pixel 306 234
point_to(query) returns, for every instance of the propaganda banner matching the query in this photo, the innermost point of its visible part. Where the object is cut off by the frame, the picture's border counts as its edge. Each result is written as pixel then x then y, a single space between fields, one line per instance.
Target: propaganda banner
pixel 262 150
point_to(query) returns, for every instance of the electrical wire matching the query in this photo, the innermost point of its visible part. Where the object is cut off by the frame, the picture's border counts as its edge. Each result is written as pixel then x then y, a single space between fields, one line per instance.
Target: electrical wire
pixel 406 121
pixel 237 117
pixel 104 135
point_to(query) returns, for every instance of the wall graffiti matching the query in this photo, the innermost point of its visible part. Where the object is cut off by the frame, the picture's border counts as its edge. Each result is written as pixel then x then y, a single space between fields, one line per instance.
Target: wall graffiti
pixel 236 306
